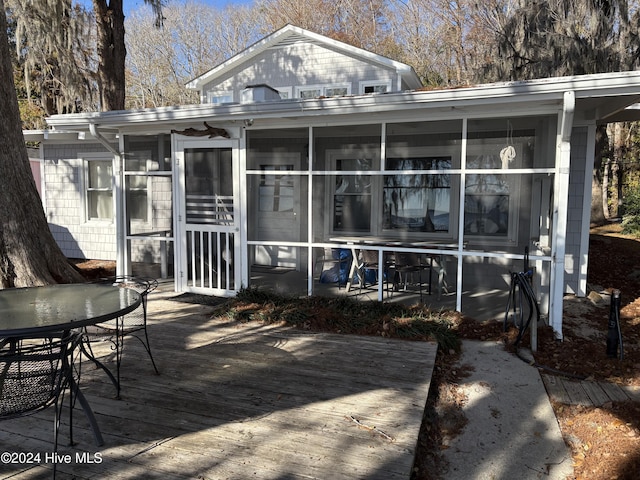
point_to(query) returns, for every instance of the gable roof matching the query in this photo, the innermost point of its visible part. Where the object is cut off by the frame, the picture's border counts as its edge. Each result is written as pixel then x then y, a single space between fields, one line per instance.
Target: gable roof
pixel 290 34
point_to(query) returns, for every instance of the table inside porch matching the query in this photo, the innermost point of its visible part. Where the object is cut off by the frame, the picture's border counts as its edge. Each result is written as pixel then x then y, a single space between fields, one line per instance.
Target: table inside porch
pixel 381 244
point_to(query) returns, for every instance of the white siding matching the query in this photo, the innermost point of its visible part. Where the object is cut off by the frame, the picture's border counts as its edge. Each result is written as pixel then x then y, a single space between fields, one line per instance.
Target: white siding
pixel 64 205
pixel 577 204
pixel 302 64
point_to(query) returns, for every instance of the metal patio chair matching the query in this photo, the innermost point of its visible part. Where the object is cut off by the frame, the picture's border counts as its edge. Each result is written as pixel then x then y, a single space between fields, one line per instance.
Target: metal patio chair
pixel 133 324
pixel 408 263
pixel 369 262
pixel 34 374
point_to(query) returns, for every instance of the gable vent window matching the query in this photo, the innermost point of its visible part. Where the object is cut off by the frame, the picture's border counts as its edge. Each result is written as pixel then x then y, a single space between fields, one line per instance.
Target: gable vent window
pixel 219 98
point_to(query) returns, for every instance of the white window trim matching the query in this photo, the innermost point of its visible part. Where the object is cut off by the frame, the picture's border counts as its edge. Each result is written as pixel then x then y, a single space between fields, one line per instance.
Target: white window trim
pixel 85 159
pixel 431 152
pixel 287 90
pixel 514 179
pixel 322 88
pixel 299 89
pixel 150 166
pixel 215 94
pixel 373 83
pixel 337 85
pixel 342 154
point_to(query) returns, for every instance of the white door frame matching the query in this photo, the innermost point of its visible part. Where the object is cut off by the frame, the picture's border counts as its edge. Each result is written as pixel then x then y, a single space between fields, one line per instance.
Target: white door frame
pixel 207 263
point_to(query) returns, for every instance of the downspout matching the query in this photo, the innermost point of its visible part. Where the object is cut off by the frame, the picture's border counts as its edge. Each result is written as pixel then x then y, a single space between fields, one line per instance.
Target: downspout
pixel 118 196
pixel 561 208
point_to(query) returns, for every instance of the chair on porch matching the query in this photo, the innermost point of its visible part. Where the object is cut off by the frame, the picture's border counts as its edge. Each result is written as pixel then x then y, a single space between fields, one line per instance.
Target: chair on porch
pixel 409 263
pixel 133 324
pixel 34 374
pixel 369 262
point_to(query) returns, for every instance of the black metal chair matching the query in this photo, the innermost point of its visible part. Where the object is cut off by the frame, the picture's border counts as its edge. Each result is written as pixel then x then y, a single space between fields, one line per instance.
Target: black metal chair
pixel 34 374
pixel 369 261
pixel 408 263
pixel 133 324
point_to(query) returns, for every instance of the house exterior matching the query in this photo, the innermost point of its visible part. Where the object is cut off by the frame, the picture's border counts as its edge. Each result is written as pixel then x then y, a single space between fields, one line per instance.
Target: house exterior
pixel 249 187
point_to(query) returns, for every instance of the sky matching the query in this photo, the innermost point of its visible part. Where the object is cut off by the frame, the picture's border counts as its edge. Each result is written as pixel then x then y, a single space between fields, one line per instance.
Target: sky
pixel 135 4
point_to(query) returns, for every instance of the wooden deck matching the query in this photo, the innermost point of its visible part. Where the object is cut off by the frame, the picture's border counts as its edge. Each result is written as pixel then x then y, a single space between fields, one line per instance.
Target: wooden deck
pixel 239 401
pixel 587 392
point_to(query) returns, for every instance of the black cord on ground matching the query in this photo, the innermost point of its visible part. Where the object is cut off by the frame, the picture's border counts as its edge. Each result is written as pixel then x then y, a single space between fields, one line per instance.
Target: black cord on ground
pixel 521 283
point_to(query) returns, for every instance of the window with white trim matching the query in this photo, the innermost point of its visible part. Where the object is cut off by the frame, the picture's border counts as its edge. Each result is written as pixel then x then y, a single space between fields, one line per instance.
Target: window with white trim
pixel 98 188
pixel 285 92
pixel 375 87
pixel 415 194
pixel 218 98
pixel 316 91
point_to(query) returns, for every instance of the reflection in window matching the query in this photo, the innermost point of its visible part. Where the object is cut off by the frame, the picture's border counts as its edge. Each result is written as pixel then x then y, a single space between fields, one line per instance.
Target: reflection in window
pixel 336 91
pixel 352 197
pixel 486 204
pixel 417 202
pixel 375 89
pixel 137 203
pixel 99 190
pixel 309 93
pixel 276 191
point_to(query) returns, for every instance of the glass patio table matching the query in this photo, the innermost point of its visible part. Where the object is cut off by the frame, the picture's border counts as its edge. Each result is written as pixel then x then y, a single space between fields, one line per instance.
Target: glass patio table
pixel 34 311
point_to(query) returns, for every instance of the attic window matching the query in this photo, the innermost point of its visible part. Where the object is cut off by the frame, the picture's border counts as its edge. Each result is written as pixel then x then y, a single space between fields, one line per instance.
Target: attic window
pixel 375 87
pixel 219 97
pixel 315 91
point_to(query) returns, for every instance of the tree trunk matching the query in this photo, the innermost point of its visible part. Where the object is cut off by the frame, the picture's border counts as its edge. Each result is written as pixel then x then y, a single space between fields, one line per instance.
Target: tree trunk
pixel 28 253
pixel 111 54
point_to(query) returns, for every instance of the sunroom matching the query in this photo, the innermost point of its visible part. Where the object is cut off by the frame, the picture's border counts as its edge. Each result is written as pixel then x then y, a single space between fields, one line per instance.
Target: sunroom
pixel 325 196
pixel 470 201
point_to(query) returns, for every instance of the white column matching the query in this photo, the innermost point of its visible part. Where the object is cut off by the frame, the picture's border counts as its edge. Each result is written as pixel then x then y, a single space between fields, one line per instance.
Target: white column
pixel 560 210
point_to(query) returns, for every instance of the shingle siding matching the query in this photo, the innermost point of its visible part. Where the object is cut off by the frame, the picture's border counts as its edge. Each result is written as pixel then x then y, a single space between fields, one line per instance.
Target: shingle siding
pixel 577 177
pixel 299 65
pixel 64 205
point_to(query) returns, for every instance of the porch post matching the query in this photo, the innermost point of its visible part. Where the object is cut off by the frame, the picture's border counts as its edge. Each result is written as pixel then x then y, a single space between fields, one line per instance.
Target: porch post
pixel 560 209
pixel 122 260
pixel 586 210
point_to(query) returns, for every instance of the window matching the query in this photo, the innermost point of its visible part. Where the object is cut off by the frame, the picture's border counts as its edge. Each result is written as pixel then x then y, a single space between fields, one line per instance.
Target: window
pixel 375 87
pixel 137 164
pixel 305 93
pixel 490 200
pixel 99 189
pixel 336 91
pixel 276 191
pixel 285 92
pixel 137 198
pixel 414 195
pixel 316 91
pixel 417 202
pixel 352 195
pixel 219 97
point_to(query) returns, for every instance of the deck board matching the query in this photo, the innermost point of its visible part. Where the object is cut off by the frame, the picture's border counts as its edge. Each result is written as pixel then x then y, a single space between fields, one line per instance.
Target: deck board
pixel 243 400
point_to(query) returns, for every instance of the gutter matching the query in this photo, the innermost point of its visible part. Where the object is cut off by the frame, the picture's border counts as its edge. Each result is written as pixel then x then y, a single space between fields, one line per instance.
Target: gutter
pixel 118 190
pixel 561 210
pixel 93 129
pixel 531 92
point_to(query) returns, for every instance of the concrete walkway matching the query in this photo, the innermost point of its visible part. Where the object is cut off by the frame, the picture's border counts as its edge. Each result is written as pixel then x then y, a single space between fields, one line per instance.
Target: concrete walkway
pixel 512 431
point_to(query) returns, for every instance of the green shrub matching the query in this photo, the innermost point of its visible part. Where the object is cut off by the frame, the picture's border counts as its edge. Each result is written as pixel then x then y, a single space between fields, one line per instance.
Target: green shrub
pixel 631 218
